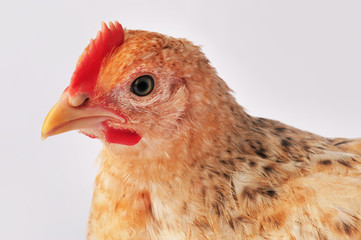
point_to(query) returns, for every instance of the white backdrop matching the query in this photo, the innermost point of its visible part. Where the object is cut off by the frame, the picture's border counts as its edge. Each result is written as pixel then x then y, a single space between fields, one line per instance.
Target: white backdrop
pixel 295 61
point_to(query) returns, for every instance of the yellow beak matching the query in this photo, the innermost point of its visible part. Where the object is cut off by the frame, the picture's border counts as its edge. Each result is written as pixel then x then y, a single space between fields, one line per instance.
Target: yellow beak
pixel 64 117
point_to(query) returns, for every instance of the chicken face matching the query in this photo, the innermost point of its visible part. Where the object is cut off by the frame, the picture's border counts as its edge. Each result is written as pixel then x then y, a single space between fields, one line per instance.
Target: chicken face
pixel 136 92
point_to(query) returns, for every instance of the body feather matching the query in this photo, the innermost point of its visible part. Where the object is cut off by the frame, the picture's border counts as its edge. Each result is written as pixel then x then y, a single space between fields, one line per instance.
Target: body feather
pixel 198 167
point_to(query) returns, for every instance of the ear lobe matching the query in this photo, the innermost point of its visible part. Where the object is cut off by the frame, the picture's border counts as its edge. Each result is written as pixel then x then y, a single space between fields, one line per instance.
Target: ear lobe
pixel 179 87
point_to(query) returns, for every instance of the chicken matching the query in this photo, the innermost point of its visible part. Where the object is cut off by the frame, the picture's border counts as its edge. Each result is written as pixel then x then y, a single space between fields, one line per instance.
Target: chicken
pixel 182 160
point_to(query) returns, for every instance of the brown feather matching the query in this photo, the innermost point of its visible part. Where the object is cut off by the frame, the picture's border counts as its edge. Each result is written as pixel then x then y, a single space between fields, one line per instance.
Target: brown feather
pixel 204 168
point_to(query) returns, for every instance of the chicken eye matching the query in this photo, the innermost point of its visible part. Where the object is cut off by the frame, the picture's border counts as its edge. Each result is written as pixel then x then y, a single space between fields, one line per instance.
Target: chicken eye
pixel 143 85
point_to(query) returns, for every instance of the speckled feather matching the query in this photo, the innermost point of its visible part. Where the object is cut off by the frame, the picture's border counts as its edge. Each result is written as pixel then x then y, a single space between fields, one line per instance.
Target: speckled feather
pixel 204 168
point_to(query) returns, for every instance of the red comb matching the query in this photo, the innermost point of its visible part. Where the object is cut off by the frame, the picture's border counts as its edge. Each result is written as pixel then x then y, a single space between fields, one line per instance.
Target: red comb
pixel 86 73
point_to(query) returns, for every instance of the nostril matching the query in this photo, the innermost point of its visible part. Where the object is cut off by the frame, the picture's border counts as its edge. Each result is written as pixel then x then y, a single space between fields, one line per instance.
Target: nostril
pixel 79 100
pixel 85 101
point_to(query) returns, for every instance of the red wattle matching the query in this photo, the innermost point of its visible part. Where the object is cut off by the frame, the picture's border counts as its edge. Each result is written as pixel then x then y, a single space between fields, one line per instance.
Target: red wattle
pixel 121 136
pixel 88 135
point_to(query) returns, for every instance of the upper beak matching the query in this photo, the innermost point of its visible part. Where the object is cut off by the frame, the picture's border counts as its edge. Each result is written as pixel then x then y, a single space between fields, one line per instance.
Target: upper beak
pixel 64 117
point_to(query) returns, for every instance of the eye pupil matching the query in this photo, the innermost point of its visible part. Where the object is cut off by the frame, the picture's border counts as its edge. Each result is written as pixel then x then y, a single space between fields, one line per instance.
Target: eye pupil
pixel 143 85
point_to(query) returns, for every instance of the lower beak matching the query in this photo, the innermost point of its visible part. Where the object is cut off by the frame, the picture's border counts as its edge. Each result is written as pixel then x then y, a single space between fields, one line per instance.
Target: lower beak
pixel 63 118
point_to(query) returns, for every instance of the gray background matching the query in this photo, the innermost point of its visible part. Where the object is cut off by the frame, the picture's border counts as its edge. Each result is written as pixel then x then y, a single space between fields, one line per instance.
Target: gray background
pixel 295 61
